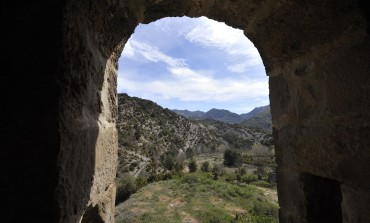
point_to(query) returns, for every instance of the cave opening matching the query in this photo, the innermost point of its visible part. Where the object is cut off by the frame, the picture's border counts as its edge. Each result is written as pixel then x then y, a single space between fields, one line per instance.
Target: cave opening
pixel 60 139
pixel 92 215
pixel 203 64
pixel 323 199
pixel 316 55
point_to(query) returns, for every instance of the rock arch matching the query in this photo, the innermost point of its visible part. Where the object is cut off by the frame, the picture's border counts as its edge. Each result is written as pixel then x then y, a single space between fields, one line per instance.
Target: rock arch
pixel 316 54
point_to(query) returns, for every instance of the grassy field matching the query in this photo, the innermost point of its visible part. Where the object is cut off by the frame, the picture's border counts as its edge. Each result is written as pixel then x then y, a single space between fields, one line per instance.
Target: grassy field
pixel 197 197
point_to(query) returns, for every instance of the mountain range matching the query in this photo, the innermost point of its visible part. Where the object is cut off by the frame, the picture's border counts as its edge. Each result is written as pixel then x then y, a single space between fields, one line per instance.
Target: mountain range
pixel 258 117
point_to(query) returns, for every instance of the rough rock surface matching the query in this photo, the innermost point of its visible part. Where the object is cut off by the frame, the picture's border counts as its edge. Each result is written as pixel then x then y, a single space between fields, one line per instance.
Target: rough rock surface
pixel 62 142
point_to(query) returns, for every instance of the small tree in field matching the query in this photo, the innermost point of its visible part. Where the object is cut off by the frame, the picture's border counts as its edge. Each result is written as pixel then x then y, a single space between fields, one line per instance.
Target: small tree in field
pixel 217 171
pixel 192 166
pixel 205 166
pixel 231 158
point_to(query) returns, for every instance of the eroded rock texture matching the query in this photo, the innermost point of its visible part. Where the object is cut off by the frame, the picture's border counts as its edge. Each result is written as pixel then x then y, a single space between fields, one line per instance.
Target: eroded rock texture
pixel 61 140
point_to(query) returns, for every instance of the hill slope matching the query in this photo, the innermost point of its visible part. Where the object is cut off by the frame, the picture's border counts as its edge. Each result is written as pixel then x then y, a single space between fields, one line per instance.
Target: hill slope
pixel 150 136
pixel 223 116
pixel 255 112
pixel 197 115
pixel 261 118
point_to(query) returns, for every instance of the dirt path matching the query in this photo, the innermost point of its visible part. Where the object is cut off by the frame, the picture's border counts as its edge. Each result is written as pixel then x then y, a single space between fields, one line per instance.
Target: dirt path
pixel 143 164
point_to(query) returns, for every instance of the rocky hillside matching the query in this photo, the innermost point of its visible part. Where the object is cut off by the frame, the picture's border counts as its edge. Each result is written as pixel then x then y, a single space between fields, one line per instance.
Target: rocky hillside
pixel 151 136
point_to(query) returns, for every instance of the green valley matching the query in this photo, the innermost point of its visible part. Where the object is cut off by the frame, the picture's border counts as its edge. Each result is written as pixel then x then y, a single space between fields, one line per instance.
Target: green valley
pixel 175 169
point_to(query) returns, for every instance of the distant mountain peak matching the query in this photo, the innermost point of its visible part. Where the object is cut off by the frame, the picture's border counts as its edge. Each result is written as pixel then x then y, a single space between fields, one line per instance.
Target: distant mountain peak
pixel 260 116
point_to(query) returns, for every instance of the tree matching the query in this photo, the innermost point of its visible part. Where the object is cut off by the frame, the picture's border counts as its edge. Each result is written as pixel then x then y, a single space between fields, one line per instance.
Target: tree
pixel 260 172
pixel 231 158
pixel 205 166
pixel 243 171
pixel 178 167
pixel 169 161
pixel 192 166
pixel 189 153
pixel 217 171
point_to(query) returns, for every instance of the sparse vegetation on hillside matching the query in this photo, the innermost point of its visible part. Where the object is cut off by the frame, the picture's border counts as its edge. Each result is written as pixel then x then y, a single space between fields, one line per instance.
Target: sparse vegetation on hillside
pixel 154 142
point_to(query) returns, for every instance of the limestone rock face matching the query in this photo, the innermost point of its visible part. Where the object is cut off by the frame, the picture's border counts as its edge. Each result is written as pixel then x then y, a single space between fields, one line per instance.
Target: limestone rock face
pixel 63 137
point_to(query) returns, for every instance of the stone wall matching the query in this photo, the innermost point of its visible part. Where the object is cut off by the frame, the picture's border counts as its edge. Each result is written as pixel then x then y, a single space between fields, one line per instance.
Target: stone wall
pixel 60 137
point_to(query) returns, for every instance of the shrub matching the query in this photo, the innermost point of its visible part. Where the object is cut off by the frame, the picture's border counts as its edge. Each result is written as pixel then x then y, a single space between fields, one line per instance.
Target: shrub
pixel 249 178
pixel 265 209
pixel 131 167
pixel 190 179
pixel 178 167
pixel 231 158
pixel 192 166
pixel 230 177
pixel 246 218
pixel 167 176
pixel 140 182
pixel 261 183
pixel 243 171
pixel 217 171
pixel 125 187
pixel 261 172
pixel 153 177
pixel 168 162
pixel 137 134
pixel 205 166
pixel 189 153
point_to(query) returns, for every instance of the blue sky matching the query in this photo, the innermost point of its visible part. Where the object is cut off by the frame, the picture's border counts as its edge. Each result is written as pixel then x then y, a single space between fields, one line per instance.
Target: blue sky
pixel 194 64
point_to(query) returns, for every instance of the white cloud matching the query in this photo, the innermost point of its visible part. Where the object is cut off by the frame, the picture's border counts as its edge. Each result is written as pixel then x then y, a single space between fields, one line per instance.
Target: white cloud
pixel 128 51
pixel 238 68
pixel 212 34
pixel 188 85
pixel 144 52
pixel 240 51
